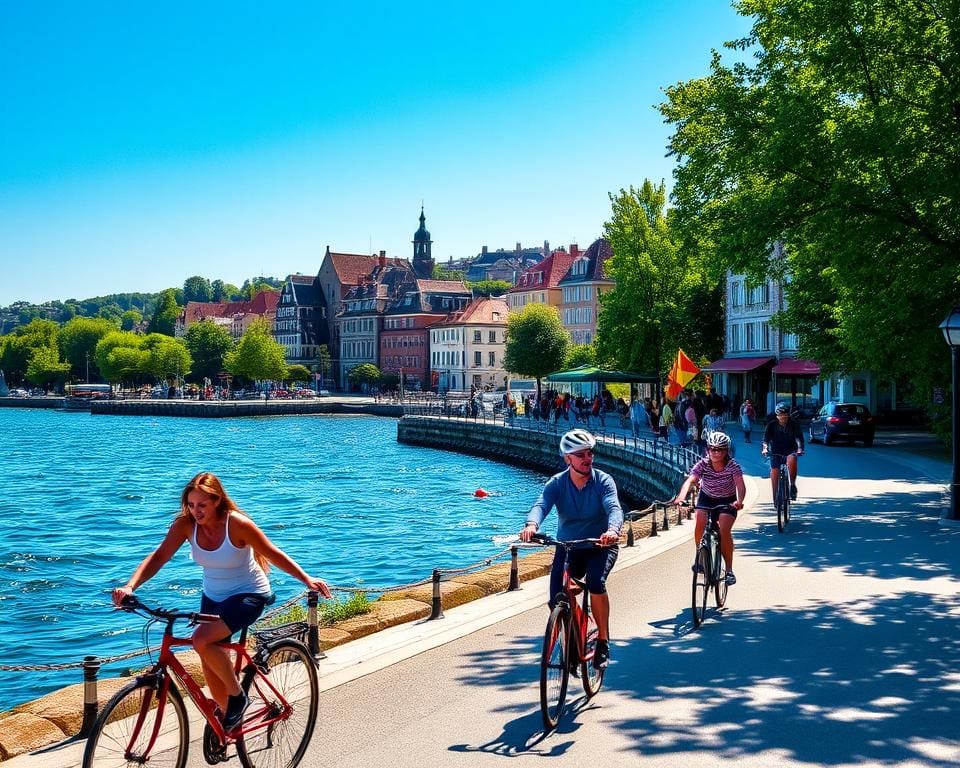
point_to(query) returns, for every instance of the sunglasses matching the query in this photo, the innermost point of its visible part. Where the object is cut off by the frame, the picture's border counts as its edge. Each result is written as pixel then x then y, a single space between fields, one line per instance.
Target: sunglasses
pixel 717 450
pixel 582 454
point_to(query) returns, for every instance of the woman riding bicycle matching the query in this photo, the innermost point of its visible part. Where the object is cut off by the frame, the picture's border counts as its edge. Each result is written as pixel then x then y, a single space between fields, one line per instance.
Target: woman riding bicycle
pixel 721 482
pixel 234 554
pixel 587 507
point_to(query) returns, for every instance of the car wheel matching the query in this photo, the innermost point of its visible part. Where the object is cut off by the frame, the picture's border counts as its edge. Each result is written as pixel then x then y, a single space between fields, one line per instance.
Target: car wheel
pixel 827 438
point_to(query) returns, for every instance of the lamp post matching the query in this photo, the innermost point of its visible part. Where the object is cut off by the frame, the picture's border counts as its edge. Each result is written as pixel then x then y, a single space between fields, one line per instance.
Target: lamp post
pixel 951 332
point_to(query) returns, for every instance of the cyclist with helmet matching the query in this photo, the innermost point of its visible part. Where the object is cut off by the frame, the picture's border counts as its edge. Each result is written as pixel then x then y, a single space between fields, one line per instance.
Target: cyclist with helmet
pixel 783 437
pixel 587 508
pixel 721 482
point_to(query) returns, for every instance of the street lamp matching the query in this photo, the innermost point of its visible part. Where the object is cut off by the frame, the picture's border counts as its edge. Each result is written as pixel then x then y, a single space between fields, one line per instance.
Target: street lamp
pixel 951 332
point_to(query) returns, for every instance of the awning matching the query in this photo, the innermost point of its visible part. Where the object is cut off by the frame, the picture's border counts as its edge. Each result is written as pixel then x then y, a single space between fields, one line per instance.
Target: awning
pixel 736 364
pixel 790 367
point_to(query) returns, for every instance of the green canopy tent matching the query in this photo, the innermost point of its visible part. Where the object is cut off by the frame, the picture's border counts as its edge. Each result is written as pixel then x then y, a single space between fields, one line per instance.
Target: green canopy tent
pixel 592 373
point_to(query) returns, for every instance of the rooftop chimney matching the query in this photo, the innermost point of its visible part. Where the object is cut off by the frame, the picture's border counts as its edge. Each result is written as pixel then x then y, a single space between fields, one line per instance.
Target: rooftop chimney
pixel 574 250
pixel 383 259
pixel 483 249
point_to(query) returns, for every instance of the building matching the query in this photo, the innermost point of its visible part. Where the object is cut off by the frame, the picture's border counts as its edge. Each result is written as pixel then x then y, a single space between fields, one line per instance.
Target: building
pixel 405 338
pixel 467 348
pixel 581 288
pixel 235 316
pixel 540 283
pixel 504 265
pixel 301 324
pixel 362 309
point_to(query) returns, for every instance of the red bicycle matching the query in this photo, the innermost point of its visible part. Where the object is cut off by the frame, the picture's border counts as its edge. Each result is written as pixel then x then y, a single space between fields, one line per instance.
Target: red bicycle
pixel 146 721
pixel 570 638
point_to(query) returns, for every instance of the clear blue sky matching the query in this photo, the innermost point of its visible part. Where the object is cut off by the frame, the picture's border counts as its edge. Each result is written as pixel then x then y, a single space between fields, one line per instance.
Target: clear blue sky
pixel 142 143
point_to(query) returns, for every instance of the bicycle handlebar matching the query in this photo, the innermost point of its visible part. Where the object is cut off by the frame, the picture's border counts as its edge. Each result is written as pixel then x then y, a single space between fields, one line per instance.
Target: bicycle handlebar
pixel 133 604
pixel 547 539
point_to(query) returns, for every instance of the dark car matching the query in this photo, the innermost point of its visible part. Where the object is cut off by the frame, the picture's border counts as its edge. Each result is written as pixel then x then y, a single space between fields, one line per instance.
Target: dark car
pixel 852 421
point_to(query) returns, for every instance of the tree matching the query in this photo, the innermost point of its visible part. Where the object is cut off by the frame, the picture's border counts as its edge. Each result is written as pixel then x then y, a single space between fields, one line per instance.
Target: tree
pixel 257 355
pixel 838 139
pixel 365 373
pixel 45 366
pixel 222 291
pixel 324 365
pixel 120 356
pixel 20 346
pixel 130 320
pixel 78 341
pixel 165 314
pixel 298 373
pixel 197 288
pixel 580 354
pixel 208 343
pixel 663 297
pixel 442 273
pixel 537 342
pixel 489 287
pixel 167 358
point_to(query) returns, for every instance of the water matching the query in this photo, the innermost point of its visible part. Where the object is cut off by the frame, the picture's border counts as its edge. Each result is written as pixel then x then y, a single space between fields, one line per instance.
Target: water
pixel 85 498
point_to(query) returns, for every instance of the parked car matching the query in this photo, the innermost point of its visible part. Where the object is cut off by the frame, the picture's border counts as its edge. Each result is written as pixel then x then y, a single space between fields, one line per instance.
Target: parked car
pixel 852 421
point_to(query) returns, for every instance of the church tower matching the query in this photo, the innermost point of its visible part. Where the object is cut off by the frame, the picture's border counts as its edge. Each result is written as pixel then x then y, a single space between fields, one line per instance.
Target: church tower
pixel 422 246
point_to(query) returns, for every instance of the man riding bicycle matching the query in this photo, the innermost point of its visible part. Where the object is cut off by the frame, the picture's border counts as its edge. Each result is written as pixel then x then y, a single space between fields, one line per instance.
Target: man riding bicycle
pixel 587 508
pixel 721 482
pixel 784 438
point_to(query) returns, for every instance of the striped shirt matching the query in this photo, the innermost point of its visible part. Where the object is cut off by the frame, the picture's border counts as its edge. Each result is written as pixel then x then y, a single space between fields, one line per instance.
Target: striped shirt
pixel 717 483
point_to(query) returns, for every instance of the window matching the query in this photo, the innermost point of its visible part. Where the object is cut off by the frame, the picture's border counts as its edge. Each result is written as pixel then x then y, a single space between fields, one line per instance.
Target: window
pixel 492 337
pixel 476 336
pixel 736 294
pixel 734 338
pixel 477 358
pixel 492 359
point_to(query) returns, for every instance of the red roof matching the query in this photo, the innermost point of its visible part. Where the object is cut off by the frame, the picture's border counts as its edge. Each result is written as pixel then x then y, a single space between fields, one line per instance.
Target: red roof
pixel 791 367
pixel 264 303
pixel 553 268
pixel 481 311
pixel 736 364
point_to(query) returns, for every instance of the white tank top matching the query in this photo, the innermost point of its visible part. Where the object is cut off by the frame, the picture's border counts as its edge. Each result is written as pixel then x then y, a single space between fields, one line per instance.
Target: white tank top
pixel 229 570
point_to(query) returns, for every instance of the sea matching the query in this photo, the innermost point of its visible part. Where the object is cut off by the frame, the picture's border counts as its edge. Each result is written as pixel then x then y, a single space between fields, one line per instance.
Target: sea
pixel 84 498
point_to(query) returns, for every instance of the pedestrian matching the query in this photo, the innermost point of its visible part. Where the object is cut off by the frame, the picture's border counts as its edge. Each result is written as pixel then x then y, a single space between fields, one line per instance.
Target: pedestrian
pixel 747 415
pixel 234 554
pixel 639 419
pixel 666 416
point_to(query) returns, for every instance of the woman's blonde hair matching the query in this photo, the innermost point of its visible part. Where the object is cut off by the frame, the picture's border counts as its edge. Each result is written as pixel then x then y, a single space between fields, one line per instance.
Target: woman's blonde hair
pixel 209 483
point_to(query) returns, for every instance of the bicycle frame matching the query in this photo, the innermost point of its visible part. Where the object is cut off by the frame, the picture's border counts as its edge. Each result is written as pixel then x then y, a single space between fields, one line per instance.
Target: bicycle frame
pixel 578 613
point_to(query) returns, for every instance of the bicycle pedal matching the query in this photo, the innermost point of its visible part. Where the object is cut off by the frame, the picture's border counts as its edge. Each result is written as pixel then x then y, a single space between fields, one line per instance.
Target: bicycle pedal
pixel 214 751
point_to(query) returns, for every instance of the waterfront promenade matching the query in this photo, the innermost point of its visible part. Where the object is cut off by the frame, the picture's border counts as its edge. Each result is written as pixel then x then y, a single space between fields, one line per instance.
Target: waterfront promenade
pixel 838 647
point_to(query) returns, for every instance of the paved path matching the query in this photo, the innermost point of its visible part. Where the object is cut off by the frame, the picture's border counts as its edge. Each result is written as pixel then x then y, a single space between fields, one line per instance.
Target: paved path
pixel 839 647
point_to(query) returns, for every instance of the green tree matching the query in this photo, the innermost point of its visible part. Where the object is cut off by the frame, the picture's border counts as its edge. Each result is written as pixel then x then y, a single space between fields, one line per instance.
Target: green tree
pixel 165 314
pixel 663 298
pixel 130 319
pixel 222 291
pixel 580 354
pixel 324 364
pixel 78 342
pixel 365 373
pixel 298 373
pixel 120 356
pixel 537 342
pixel 197 288
pixel 837 138
pixel 167 358
pixel 45 366
pixel 442 273
pixel 208 344
pixel 489 287
pixel 257 356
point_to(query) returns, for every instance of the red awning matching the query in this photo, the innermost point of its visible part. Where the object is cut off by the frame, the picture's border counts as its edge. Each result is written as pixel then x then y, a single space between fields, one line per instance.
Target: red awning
pixel 788 367
pixel 736 364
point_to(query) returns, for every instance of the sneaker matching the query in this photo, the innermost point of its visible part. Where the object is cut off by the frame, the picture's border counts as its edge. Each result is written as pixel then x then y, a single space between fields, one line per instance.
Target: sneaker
pixel 235 708
pixel 793 492
pixel 730 579
pixel 696 567
pixel 601 656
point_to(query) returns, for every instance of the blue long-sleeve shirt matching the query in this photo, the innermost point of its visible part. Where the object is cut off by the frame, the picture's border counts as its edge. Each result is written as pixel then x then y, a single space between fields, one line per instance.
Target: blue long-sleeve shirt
pixel 581 514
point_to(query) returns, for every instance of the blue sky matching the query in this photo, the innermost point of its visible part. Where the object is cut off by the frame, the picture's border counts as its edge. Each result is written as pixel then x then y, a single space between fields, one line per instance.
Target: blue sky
pixel 144 143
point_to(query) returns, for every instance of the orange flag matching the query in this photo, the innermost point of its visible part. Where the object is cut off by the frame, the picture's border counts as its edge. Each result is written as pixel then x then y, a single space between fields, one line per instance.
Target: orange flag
pixel 683 371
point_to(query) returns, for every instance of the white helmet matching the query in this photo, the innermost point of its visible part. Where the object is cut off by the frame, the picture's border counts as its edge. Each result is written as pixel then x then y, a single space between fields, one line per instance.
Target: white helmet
pixel 576 440
pixel 718 439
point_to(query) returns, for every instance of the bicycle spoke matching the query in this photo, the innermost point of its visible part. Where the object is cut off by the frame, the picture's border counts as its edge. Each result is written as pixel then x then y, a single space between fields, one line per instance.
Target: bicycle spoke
pixel 554 666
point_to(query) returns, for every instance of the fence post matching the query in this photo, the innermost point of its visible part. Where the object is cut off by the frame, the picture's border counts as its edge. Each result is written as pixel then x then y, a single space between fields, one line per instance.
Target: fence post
pixel 437 609
pixel 91 667
pixel 653 520
pixel 514 570
pixel 666 520
pixel 630 532
pixel 313 626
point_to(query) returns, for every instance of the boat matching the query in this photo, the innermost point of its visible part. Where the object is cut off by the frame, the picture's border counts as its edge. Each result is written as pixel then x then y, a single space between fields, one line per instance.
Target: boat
pixel 79 396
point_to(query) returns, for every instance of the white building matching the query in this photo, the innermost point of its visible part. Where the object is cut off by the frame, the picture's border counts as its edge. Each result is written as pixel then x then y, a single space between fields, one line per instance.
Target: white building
pixel 467 348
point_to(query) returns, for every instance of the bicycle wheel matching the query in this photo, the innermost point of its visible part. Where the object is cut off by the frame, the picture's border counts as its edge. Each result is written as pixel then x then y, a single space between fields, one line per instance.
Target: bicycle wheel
pixel 783 498
pixel 555 666
pixel 590 676
pixel 719 584
pixel 281 744
pixel 123 733
pixel 701 585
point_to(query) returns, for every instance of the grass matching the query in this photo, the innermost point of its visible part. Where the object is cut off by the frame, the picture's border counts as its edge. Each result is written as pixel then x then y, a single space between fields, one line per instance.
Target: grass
pixel 330 612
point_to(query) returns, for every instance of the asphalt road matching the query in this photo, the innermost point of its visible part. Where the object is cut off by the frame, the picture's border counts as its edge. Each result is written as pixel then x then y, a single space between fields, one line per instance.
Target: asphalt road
pixel 839 646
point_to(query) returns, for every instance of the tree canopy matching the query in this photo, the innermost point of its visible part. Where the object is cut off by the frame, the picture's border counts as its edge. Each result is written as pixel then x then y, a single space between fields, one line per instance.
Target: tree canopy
pixel 78 342
pixel 257 356
pixel 537 342
pixel 838 139
pixel 365 373
pixel 208 344
pixel 164 318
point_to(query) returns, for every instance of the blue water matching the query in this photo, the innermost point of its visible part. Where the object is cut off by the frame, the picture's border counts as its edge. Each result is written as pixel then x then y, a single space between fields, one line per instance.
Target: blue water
pixel 84 498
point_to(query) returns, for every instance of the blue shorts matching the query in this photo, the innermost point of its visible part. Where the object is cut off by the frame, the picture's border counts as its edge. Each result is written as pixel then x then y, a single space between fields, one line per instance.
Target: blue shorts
pixel 593 565
pixel 237 611
pixel 705 501
pixel 776 459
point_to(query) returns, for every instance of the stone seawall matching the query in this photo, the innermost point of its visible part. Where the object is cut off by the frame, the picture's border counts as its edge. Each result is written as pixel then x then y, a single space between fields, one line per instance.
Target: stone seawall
pixel 217 409
pixel 640 475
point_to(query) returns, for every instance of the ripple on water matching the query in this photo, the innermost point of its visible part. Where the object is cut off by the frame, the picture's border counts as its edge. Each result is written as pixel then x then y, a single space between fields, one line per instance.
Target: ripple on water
pixel 94 495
